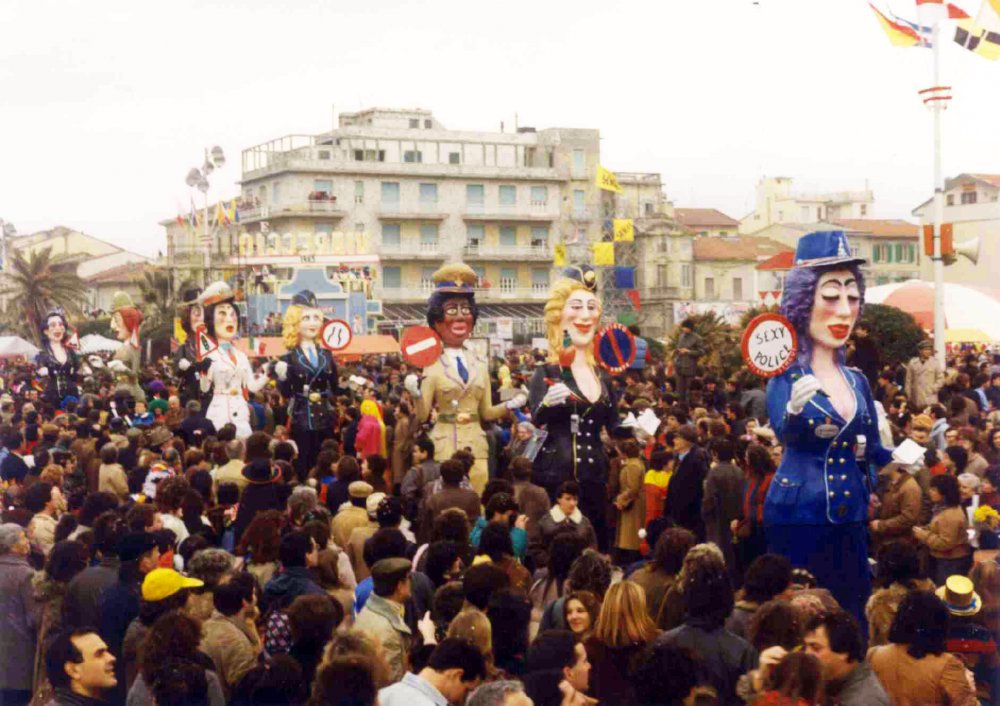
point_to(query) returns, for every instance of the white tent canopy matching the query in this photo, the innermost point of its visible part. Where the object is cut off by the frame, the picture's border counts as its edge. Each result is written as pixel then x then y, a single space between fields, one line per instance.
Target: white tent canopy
pixel 965 307
pixel 95 343
pixel 14 346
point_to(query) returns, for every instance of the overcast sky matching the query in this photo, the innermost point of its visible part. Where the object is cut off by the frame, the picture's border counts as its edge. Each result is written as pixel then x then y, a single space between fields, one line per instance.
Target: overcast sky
pixel 106 105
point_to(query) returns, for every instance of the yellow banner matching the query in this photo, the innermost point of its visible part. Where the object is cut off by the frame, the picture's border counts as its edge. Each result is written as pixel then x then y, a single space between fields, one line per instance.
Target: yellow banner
pixel 560 256
pixel 607 180
pixel 624 230
pixel 604 254
pixel 179 333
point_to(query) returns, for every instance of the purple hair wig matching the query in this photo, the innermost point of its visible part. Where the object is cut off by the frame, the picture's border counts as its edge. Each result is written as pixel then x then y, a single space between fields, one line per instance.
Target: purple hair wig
pixel 798 298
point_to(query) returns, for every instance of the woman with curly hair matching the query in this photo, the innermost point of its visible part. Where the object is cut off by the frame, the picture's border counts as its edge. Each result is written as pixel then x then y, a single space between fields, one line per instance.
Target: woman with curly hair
pixel 259 545
pixel 172 641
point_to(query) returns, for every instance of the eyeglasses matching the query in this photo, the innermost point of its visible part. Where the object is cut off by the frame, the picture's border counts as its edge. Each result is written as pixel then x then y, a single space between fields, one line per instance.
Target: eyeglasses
pixel 464 310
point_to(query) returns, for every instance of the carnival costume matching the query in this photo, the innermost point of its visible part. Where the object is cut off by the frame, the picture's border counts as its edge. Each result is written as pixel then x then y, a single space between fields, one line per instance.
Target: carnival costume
pixel 307 377
pixel 229 376
pixel 816 508
pixel 60 376
pixel 573 449
pixel 458 383
pixel 186 364
pixel 125 322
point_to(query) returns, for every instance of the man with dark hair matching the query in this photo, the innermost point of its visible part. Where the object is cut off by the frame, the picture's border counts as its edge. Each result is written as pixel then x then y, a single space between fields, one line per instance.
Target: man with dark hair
pixel 13 467
pixel 835 640
pixel 80 668
pixel 81 605
pixel 384 610
pixel 686 489
pixel 769 577
pixel 297 553
pixel 346 681
pixel 195 427
pixel 556 656
pixel 43 499
pixel 454 669
pixel 566 513
pixel 665 675
pixel 502 508
pixel 228 638
pixel 424 470
pixel 688 349
pixel 723 498
pixel 452 494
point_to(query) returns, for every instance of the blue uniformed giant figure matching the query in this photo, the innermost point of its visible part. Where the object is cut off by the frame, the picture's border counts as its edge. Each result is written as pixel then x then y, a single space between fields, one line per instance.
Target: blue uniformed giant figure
pixel 822 411
pixel 307 377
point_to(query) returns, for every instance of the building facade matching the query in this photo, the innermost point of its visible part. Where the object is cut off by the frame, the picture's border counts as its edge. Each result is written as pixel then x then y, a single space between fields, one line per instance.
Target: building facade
pixel 707 222
pixel 776 202
pixel 972 206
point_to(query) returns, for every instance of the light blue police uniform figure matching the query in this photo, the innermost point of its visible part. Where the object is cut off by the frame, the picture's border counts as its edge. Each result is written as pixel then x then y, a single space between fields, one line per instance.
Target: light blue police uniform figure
pixel 816 509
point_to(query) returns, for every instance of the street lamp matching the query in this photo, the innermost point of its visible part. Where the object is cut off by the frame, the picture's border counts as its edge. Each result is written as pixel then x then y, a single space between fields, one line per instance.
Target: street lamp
pixel 198 178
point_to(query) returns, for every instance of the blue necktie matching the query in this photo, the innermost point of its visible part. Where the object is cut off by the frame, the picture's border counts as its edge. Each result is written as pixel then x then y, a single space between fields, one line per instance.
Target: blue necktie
pixel 463 372
pixel 312 356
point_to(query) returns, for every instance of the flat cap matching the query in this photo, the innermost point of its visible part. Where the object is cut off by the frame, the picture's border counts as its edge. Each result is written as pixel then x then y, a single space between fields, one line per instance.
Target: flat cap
pixel 390 568
pixel 359 489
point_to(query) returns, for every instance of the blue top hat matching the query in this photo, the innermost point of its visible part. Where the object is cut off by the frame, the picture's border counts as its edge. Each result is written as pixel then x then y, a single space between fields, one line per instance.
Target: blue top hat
pixel 304 298
pixel 583 274
pixel 824 248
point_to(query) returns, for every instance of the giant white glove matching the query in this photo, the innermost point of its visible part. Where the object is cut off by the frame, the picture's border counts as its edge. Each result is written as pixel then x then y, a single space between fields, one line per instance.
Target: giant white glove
pixel 42 371
pixel 803 390
pixel 183 364
pixel 517 401
pixel 412 385
pixel 557 394
pixel 281 370
pixel 117 366
pixel 95 361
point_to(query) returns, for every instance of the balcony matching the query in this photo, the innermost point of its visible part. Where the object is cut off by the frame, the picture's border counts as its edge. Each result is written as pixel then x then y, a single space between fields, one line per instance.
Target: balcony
pixel 535 212
pixel 411 250
pixel 483 294
pixel 311 208
pixel 663 292
pixel 474 251
pixel 422 211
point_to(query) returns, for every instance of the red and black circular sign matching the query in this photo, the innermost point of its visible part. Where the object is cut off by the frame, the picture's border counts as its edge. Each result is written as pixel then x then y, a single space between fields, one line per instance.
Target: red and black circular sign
pixel 614 348
pixel 769 345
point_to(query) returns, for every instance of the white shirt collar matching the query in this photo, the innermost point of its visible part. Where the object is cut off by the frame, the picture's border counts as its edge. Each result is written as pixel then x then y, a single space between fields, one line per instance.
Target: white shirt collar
pixel 559 516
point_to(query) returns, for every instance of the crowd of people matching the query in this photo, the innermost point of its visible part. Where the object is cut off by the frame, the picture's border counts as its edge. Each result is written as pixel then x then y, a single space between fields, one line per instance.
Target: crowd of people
pixel 151 558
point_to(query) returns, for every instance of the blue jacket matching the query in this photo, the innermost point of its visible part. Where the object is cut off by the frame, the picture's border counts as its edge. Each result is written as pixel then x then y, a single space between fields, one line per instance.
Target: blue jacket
pixel 518 537
pixel 819 480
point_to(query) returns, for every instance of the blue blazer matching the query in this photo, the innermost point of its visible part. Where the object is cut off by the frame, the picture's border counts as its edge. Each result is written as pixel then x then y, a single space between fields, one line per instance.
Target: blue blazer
pixel 820 481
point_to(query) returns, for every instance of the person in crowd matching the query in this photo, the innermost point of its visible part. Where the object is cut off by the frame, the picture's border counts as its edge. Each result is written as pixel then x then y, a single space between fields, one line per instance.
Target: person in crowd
pixel 81 668
pixel 708 601
pixel 723 497
pixel 915 666
pixel 43 500
pixel 555 658
pixel 687 350
pixel 768 578
pixel 901 506
pixel 111 475
pixel 503 692
pixel 298 554
pixel 550 582
pixel 424 470
pixel 924 377
pixel 687 485
pixel 622 631
pixel 580 612
pixel 345 681
pixel 232 470
pixel 353 515
pixel 946 537
pixel 534 503
pixel 898 574
pixel 630 503
pixel 658 576
pixel 454 670
pixel 502 508
pixel 836 641
pixel 259 546
pixel 312 620
pixel 383 612
pixel 19 620
pixel 566 513
pixel 230 637
pixel 452 494
pixel 263 480
pixel 83 594
pixel 668 675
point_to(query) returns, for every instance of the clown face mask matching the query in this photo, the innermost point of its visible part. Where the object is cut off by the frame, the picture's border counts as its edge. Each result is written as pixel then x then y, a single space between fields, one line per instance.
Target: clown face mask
pixel 55 329
pixel 836 305
pixel 580 315
pixel 226 322
pixel 310 324
pixel 456 327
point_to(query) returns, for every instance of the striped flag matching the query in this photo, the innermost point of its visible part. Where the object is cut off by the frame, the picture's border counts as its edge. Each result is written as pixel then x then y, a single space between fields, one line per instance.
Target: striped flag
pixel 982 35
pixel 900 34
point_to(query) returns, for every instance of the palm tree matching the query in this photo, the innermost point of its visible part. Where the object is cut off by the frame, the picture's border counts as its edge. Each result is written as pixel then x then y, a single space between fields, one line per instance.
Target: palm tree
pixel 159 301
pixel 34 284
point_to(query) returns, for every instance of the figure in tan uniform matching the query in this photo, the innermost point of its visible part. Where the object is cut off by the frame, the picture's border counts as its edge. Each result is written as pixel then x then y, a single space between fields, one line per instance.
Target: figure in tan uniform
pixel 457 385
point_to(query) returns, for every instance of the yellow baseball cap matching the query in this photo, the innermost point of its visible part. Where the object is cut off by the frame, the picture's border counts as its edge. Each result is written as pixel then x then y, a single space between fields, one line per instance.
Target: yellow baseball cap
pixel 163 583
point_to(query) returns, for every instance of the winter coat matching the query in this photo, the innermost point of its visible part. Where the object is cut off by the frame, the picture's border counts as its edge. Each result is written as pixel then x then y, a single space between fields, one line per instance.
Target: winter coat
pixel 632 503
pixel 902 505
pixel 384 619
pixel 923 380
pixel 345 521
pixel 949 538
pixel 20 615
pixel 721 505
pixel 287 585
pixel 686 491
pixel 231 645
pixel 724 656
pixel 882 608
pixel 932 680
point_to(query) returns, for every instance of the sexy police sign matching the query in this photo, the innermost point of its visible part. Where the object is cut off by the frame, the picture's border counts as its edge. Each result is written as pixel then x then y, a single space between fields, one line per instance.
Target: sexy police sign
pixel 769 345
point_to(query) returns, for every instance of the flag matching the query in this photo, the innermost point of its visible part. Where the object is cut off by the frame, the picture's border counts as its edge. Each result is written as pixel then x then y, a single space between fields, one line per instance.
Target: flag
pixel 220 215
pixel 234 213
pixel 625 277
pixel 194 215
pixel 180 335
pixel 607 180
pixel 633 295
pixel 560 256
pixel 982 35
pixel 624 230
pixel 900 34
pixel 604 254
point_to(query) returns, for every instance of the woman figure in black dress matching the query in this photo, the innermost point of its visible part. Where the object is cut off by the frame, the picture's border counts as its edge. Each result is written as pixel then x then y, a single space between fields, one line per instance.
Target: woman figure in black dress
pixel 574 400
pixel 57 365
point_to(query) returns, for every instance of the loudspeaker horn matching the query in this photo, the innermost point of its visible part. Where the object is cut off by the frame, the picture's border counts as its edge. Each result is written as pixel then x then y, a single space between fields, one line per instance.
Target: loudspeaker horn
pixel 968 249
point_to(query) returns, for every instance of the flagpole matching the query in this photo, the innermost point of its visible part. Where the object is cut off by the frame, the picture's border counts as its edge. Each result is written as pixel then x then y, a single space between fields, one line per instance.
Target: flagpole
pixel 937 106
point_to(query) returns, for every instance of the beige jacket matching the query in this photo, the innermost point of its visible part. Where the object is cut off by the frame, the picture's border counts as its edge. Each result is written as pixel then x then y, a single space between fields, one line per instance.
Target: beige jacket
pixel 930 681
pixel 111 478
pixel 344 522
pixel 948 538
pixel 232 646
pixel 923 380
pixel 42 531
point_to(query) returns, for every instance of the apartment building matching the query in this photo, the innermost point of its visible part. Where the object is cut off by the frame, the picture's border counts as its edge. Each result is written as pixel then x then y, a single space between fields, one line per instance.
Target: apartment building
pixel 972 206
pixel 390 195
pixel 777 202
pixel 707 221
